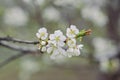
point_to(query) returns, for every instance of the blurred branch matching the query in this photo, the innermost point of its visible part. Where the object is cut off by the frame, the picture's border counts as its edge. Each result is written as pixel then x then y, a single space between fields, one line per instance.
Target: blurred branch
pixel 23 50
pixel 12 58
pixel 113 12
pixel 33 10
pixel 17 40
pixel 113 20
pixel 17 48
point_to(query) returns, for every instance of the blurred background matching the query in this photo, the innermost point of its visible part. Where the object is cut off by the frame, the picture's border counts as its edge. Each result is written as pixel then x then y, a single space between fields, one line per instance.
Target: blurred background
pixel 100 57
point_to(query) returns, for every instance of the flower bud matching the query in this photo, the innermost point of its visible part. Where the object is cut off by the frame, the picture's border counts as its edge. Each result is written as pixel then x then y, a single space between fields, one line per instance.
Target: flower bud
pixel 43 42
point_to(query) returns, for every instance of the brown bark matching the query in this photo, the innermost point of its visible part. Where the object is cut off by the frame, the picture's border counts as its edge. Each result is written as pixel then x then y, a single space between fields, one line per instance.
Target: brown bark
pixel 113 12
pixel 113 18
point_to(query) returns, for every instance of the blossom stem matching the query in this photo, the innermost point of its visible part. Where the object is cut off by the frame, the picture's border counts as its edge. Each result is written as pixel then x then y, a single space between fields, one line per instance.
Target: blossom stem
pixel 83 33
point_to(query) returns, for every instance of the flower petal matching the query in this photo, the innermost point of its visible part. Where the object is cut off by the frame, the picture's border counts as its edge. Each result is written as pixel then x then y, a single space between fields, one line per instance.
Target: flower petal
pixel 49 50
pixel 42 30
pixel 45 36
pixel 38 35
pixel 80 46
pixel 77 52
pixel 43 42
pixel 73 27
pixel 62 51
pixel 61 43
pixel 58 32
pixel 52 36
pixel 71 42
pixel 62 38
pixel 43 49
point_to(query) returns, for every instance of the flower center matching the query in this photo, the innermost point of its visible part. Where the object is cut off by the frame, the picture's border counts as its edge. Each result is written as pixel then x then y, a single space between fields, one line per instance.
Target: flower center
pixel 72 32
pixel 42 34
pixel 72 42
pixel 57 38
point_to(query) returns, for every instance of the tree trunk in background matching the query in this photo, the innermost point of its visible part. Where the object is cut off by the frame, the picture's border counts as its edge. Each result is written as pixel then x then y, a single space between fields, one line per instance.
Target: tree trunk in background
pixel 113 12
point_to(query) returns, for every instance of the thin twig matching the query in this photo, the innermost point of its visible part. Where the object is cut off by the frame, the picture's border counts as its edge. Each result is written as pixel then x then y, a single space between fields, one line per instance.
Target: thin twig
pixel 12 58
pixel 23 51
pixel 17 48
pixel 17 40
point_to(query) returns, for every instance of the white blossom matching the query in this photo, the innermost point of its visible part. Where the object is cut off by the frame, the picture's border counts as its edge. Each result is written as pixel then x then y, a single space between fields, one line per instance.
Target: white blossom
pixel 71 42
pixel 43 49
pixel 51 14
pixel 43 42
pixel 80 46
pixel 57 45
pixel 95 15
pixel 72 31
pixel 57 52
pixel 57 38
pixel 42 33
pixel 49 50
pixel 74 51
pixel 15 17
pixel 73 48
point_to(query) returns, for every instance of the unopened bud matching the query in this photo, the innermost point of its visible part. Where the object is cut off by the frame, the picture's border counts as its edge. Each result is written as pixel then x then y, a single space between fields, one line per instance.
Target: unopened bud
pixel 88 32
pixel 43 42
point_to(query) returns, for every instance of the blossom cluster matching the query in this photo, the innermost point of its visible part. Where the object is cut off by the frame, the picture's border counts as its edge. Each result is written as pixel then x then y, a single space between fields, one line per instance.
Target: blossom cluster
pixel 57 44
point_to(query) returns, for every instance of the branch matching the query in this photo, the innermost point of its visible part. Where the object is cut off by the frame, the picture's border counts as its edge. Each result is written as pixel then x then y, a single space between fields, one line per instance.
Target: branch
pixel 23 50
pixel 17 40
pixel 17 48
pixel 12 58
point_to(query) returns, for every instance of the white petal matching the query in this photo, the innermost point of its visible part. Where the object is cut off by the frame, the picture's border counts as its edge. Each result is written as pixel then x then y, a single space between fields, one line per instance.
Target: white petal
pixel 73 27
pixel 44 37
pixel 61 43
pixel 56 54
pixel 43 49
pixel 52 36
pixel 42 30
pixel 74 40
pixel 69 52
pixel 70 35
pixel 62 38
pixel 55 51
pixel 38 35
pixel 43 42
pixel 67 32
pixel 62 51
pixel 76 31
pixel 58 32
pixel 71 42
pixel 49 50
pixel 77 52
pixel 54 43
pixel 80 46
pixel 49 42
